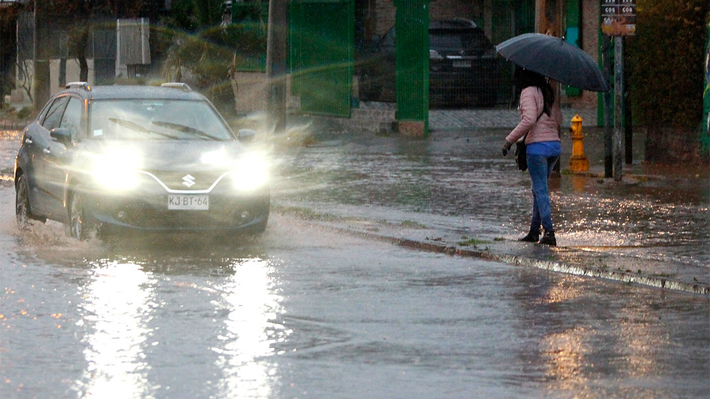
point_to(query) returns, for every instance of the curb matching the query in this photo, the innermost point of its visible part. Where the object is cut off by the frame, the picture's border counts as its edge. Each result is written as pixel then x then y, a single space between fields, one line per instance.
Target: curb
pixel 553 266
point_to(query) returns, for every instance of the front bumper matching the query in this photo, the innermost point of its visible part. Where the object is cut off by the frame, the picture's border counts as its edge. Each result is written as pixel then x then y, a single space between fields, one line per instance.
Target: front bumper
pixel 148 212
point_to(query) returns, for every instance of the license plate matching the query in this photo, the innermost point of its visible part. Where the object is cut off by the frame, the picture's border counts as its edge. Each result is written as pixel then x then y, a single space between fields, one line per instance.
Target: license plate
pixel 462 64
pixel 189 202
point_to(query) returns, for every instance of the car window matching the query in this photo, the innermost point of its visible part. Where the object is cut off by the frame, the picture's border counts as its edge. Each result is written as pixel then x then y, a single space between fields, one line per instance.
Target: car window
pixel 156 120
pixel 72 117
pixel 54 113
pixel 448 42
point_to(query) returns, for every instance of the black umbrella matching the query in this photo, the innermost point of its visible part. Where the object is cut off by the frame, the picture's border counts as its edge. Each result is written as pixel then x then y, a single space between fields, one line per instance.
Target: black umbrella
pixel 555 58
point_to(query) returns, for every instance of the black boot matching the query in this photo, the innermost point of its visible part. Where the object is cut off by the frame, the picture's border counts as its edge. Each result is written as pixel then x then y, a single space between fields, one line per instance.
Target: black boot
pixel 548 238
pixel 532 236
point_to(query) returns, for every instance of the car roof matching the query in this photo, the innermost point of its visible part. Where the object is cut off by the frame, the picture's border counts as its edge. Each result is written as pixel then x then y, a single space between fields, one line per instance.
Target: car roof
pixel 135 92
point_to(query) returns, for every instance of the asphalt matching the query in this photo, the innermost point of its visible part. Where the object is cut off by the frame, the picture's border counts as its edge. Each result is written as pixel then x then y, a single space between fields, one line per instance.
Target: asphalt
pixel 443 235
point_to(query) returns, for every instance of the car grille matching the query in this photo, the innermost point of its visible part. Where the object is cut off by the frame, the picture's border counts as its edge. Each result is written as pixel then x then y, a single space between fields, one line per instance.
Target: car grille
pixel 193 180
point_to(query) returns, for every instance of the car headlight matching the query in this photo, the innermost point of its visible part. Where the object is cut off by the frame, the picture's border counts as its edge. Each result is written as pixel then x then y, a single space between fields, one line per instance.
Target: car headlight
pixel 117 170
pixel 250 172
pixel 434 55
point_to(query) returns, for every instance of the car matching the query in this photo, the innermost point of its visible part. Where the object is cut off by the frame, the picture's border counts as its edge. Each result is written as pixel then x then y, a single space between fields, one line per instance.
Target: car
pixel 463 67
pixel 112 159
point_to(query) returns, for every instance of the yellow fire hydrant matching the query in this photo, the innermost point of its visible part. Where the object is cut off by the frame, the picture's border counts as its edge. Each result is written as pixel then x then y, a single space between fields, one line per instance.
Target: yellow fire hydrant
pixel 578 161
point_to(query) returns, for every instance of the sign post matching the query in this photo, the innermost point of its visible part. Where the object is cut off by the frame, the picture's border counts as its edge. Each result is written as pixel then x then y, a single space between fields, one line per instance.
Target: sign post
pixel 618 20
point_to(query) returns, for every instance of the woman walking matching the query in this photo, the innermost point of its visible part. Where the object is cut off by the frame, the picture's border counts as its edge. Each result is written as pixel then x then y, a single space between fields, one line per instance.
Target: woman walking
pixel 540 124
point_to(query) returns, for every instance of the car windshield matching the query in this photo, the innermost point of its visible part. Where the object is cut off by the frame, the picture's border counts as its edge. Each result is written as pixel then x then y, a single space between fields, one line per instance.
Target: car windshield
pixel 447 42
pixel 156 120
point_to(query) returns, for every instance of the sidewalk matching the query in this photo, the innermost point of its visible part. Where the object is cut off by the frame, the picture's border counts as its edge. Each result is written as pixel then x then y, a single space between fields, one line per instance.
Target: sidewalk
pixel 651 228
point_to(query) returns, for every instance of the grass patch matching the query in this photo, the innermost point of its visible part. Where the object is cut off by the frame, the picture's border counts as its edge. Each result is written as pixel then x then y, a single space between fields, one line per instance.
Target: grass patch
pixel 412 224
pixel 471 242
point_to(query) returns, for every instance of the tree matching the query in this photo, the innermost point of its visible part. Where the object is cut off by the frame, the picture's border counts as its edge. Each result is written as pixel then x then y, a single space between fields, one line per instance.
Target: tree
pixel 204 52
pixel 666 85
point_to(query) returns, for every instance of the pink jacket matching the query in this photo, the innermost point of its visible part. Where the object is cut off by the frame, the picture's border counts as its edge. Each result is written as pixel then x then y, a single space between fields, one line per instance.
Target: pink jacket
pixel 544 129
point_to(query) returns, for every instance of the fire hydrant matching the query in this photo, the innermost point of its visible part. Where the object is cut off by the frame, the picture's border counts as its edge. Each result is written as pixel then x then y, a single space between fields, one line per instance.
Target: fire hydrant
pixel 578 161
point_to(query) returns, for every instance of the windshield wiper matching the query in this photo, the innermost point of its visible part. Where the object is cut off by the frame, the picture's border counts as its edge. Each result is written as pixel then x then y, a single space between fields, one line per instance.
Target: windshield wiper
pixel 138 128
pixel 186 129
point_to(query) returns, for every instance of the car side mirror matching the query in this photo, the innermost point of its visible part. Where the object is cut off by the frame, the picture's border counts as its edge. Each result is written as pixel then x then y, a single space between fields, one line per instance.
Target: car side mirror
pixel 61 134
pixel 246 135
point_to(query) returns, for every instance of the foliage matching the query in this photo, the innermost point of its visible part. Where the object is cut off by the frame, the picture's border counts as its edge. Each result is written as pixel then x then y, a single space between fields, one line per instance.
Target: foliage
pixel 8 43
pixel 666 62
pixel 205 52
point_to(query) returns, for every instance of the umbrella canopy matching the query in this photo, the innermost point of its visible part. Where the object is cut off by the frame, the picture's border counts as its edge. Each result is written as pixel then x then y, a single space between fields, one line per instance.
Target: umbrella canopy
pixel 555 58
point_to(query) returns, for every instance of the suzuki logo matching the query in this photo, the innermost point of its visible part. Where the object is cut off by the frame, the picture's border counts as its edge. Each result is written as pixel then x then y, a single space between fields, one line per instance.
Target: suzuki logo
pixel 188 180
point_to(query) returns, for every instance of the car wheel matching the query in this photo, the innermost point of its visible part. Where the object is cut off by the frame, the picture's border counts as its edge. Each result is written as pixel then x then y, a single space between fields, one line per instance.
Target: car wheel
pixel 22 203
pixel 79 225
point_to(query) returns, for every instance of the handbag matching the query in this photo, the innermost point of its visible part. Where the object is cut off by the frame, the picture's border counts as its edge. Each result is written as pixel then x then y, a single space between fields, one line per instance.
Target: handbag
pixel 521 154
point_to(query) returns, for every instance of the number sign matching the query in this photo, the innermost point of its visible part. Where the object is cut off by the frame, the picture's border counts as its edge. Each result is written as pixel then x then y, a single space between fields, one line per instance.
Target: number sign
pixel 618 17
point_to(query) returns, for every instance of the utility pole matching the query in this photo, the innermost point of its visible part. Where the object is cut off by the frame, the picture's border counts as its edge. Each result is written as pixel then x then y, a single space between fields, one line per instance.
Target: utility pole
pixel 42 86
pixel 276 46
pixel 618 20
pixel 618 103
pixel 608 112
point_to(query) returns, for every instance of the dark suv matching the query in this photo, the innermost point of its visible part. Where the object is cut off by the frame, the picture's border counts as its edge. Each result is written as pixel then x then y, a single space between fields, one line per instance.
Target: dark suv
pixel 463 68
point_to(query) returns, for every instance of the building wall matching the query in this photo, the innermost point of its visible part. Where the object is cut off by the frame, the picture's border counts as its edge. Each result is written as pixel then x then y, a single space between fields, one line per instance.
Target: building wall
pixel 590 44
pixel 72 74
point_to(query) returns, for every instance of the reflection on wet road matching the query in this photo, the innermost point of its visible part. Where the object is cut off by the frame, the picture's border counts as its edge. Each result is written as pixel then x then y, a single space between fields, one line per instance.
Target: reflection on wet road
pixel 303 312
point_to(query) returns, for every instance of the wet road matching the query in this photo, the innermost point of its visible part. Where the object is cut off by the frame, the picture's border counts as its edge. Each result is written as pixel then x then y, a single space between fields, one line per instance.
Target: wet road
pixel 657 212
pixel 304 312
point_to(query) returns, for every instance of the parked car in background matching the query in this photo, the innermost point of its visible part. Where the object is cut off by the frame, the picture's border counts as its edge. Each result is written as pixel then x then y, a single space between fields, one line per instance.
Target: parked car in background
pixel 463 67
pixel 150 159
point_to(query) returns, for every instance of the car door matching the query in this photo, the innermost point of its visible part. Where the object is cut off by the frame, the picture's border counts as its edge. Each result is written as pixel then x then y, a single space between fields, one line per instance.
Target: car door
pixel 59 159
pixel 37 144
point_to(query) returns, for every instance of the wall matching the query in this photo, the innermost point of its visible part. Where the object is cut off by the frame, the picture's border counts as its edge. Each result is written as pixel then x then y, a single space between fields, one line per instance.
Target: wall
pixel 72 74
pixel 590 44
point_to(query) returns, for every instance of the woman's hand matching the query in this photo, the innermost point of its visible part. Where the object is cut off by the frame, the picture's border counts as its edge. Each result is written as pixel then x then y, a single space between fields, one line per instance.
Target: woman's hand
pixel 506 148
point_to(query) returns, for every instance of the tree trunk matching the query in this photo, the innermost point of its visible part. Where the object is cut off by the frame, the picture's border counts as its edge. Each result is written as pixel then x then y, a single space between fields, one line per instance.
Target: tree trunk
pixel 82 46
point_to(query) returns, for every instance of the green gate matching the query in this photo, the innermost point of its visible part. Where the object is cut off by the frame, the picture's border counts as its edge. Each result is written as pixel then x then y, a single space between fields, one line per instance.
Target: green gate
pixel 322 48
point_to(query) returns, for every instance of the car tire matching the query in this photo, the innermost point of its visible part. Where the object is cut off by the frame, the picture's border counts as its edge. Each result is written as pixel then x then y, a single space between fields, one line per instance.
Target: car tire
pixel 23 213
pixel 80 225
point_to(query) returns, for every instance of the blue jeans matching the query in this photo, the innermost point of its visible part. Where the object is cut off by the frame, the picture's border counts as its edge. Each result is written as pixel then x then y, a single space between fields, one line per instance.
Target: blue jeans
pixel 540 168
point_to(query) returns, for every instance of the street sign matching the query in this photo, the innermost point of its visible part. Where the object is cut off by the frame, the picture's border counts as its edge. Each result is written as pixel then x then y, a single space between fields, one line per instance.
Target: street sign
pixel 618 17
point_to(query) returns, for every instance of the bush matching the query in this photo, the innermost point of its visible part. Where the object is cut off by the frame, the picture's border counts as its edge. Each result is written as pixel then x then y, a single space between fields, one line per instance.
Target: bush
pixel 24 113
pixel 665 59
